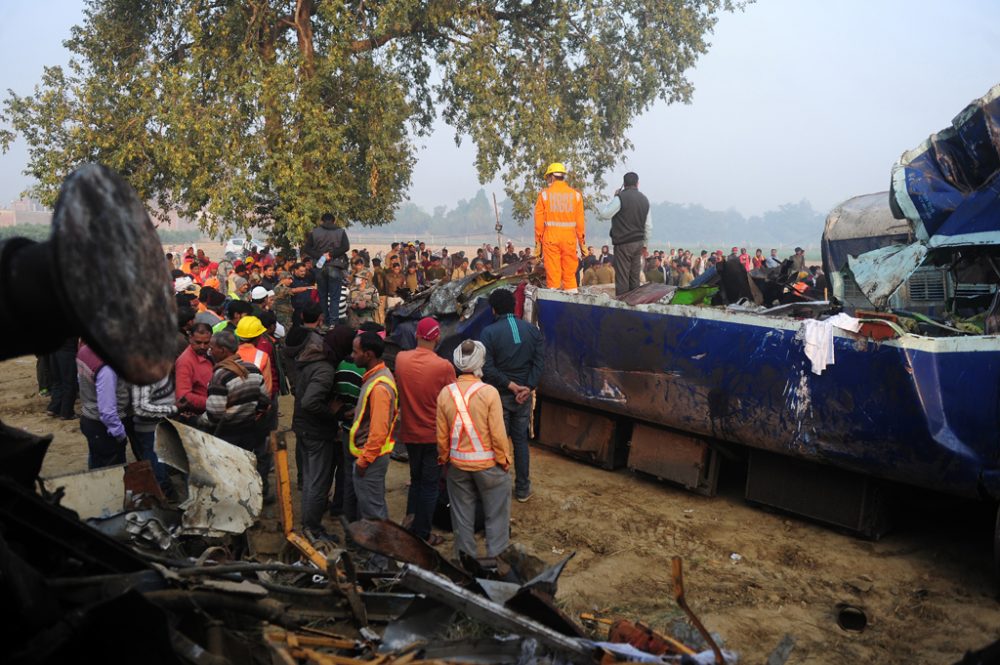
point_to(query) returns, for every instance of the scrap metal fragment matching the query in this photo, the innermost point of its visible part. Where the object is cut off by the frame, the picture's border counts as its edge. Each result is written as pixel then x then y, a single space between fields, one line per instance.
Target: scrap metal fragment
pixel 243 587
pixel 97 493
pixel 145 527
pixel 547 580
pixel 497 590
pixel 494 614
pixel 224 488
pixel 880 272
pixel 538 605
pixel 141 488
pixel 423 622
pixel 648 294
pixel 383 607
pixel 349 587
pixel 392 540
pixel 645 638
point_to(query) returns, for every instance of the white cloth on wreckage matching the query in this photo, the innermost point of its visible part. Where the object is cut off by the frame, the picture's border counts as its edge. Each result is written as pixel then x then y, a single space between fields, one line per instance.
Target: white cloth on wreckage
pixel 817 338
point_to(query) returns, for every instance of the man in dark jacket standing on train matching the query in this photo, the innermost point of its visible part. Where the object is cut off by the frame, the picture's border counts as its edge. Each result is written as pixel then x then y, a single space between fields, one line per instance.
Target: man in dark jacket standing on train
pixel 328 245
pixel 631 226
pixel 513 365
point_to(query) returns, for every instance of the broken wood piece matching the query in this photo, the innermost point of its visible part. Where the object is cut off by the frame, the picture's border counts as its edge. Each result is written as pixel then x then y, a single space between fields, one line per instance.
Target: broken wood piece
pixel 301 640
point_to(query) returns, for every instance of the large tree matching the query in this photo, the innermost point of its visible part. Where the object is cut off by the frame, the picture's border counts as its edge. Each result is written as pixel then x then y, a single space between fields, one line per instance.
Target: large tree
pixel 270 112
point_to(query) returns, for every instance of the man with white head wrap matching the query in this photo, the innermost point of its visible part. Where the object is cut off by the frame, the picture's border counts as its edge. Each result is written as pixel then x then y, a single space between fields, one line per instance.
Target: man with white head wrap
pixel 472 439
pixel 469 357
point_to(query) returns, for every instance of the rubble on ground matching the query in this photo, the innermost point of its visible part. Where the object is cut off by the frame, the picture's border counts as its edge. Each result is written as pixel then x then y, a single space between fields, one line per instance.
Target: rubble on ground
pixel 179 583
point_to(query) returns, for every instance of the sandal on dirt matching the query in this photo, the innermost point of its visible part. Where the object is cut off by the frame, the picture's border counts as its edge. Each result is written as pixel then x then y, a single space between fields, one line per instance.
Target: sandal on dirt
pixel 434 540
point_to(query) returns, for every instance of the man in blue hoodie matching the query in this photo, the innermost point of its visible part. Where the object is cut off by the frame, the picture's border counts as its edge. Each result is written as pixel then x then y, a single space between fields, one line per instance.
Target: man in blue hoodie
pixel 514 365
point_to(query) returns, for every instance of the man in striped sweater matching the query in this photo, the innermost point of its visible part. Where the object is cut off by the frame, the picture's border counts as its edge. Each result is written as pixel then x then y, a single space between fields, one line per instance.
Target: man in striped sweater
pixel 150 405
pixel 237 396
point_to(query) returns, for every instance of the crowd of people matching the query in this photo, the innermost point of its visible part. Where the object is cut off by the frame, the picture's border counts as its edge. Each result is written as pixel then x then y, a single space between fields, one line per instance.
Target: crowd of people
pixel 253 330
pixel 309 325
pixel 679 267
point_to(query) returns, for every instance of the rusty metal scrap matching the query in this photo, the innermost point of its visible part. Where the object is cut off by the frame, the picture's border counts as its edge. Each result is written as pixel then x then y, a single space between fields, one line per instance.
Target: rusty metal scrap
pixel 678 576
pixel 233 599
pixel 646 639
pixel 392 540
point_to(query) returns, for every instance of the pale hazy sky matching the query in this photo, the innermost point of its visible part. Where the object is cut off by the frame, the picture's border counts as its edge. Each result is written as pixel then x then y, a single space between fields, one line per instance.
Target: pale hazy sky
pixel 795 99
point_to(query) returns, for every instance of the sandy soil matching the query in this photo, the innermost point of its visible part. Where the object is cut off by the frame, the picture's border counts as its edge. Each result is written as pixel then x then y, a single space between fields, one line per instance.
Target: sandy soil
pixel 925 587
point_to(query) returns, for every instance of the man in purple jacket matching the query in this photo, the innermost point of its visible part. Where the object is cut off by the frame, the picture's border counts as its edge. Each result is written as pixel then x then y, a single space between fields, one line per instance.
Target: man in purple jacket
pixel 104 401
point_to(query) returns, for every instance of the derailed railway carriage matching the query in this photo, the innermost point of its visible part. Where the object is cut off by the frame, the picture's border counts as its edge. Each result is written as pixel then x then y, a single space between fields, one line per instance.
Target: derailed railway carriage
pixel 890 376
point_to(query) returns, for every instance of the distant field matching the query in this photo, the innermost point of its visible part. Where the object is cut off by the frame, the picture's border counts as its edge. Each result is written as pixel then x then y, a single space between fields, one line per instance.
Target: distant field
pixel 379 243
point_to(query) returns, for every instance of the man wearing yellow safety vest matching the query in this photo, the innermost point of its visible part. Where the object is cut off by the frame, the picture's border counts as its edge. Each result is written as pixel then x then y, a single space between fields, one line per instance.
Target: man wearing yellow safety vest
pixel 371 437
pixel 559 229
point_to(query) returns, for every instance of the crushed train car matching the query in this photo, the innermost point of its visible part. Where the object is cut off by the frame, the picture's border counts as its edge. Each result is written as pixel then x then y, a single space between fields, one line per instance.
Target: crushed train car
pixel 893 374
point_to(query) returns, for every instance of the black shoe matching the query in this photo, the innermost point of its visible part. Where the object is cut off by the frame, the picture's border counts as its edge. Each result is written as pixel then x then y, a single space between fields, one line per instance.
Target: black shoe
pixel 399 457
pixel 320 535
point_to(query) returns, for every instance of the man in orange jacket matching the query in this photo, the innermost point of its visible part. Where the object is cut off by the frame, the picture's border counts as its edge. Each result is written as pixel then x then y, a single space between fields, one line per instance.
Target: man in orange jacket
pixel 559 229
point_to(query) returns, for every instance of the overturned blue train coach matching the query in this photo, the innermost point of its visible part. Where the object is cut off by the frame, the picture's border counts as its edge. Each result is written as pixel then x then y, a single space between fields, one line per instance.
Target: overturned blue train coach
pixel 889 373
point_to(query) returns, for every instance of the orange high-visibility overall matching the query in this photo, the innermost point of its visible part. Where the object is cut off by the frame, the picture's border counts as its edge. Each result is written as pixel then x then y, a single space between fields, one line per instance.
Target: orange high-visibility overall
pixel 559 229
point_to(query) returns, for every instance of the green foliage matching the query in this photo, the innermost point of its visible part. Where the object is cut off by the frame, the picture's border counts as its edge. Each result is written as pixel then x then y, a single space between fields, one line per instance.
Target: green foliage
pixel 268 113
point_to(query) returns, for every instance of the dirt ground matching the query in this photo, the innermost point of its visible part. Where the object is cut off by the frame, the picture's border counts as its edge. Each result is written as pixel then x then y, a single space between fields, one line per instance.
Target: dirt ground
pixel 926 587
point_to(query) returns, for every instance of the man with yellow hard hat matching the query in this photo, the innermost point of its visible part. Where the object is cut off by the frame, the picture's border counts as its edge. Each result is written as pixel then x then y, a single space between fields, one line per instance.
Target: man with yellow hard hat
pixel 559 229
pixel 248 331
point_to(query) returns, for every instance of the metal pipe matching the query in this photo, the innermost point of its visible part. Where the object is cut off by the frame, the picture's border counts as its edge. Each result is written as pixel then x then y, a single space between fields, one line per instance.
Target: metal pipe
pixel 445 591
pixel 678 575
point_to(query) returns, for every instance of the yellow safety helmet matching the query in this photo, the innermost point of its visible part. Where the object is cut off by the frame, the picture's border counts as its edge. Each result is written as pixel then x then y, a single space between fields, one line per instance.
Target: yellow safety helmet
pixel 556 167
pixel 250 327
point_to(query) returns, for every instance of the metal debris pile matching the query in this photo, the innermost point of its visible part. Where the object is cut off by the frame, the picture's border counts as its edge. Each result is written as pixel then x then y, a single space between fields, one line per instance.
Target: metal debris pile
pixel 98 565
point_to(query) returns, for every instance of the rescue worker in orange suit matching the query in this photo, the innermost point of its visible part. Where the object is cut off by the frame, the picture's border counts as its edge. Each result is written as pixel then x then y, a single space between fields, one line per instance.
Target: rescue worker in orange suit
pixel 559 229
